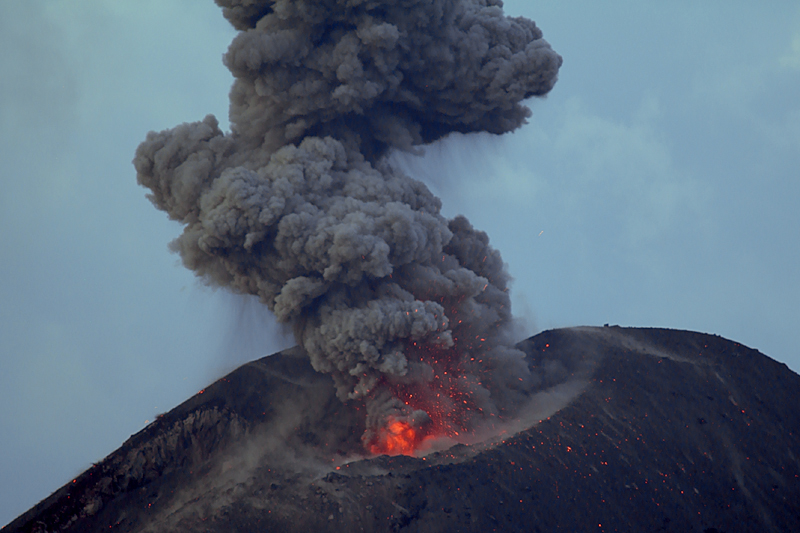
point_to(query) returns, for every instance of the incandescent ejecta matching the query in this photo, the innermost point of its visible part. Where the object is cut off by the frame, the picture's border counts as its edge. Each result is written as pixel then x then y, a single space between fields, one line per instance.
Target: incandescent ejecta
pixel 299 206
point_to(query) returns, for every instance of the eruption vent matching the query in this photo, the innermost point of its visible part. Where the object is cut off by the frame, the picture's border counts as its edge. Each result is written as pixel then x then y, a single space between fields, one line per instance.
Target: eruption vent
pixel 299 206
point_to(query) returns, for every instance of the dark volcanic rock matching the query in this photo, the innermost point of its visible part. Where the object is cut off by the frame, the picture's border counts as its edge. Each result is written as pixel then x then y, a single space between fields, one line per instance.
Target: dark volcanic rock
pixel 670 431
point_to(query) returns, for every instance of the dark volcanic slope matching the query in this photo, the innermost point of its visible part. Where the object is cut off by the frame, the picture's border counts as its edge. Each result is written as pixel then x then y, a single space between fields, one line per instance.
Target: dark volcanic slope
pixel 674 431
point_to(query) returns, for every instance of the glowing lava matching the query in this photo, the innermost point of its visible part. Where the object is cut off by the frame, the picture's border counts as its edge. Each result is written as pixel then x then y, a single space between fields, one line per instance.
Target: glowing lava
pixel 397 437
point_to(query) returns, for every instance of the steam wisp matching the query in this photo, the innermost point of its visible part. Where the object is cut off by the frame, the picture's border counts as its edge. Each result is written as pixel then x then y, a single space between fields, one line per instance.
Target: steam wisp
pixel 299 206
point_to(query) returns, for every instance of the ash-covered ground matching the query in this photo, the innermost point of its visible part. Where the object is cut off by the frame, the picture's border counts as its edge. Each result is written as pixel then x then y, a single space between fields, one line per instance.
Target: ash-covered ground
pixel 636 430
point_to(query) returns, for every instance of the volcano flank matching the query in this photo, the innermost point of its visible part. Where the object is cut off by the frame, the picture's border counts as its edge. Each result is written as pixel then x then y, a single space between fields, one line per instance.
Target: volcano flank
pixel 633 430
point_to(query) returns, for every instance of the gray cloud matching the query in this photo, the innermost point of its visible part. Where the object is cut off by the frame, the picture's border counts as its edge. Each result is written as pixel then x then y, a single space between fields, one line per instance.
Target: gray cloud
pixel 299 206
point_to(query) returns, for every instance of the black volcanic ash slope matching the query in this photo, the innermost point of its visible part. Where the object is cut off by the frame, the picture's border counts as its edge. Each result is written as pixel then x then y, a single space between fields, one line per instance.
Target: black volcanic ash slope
pixel 675 431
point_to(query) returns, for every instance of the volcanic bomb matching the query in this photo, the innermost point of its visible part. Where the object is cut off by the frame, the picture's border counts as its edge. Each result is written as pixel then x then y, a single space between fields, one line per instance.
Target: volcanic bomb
pixel 299 205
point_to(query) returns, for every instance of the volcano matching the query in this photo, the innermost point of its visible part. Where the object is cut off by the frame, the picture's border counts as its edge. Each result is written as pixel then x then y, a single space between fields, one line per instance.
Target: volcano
pixel 633 430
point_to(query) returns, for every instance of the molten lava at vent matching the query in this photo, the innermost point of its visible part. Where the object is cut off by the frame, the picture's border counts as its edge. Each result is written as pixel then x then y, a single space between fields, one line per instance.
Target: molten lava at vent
pixel 397 438
pixel 446 404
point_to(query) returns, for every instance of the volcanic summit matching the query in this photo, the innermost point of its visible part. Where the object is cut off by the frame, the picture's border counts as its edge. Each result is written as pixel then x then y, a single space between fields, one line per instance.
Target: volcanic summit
pixel 634 430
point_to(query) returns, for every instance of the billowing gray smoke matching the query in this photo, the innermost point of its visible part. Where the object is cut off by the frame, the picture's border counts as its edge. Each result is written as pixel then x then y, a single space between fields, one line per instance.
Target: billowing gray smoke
pixel 298 205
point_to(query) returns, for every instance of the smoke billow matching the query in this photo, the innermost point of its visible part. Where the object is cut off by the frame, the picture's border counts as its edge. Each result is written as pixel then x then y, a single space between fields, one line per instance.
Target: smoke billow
pixel 299 206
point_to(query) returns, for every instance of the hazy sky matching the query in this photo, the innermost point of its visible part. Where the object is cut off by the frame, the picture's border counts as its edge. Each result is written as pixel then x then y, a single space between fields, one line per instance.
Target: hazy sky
pixel 656 186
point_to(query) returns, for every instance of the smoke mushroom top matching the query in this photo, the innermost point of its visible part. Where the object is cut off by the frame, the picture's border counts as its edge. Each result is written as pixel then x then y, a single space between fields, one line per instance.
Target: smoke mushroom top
pixel 299 206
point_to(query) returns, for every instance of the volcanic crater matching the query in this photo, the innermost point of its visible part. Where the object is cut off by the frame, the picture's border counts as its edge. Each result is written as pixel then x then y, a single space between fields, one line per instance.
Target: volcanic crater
pixel 633 430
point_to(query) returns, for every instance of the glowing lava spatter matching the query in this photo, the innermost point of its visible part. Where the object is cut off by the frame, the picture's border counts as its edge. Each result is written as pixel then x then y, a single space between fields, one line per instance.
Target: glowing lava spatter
pixel 450 388
pixel 448 399
pixel 397 437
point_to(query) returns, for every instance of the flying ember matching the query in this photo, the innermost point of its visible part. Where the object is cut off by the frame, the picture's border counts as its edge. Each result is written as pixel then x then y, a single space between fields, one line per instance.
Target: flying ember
pixel 299 205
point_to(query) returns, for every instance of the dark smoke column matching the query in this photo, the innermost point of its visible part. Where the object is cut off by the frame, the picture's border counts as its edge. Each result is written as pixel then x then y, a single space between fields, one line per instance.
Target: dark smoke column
pixel 298 206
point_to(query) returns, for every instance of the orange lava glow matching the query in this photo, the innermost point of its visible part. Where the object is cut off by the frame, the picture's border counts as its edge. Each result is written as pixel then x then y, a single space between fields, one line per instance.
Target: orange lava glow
pixel 450 389
pixel 447 399
pixel 396 438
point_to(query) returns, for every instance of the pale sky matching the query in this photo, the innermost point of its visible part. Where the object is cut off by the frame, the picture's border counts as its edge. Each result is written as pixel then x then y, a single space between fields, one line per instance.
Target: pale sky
pixel 655 186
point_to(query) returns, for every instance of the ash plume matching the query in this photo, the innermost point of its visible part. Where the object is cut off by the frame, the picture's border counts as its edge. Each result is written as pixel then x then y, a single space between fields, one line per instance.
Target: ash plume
pixel 299 206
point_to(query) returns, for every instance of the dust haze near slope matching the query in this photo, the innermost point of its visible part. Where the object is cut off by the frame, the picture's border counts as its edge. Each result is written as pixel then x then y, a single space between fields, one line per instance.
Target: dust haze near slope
pixel 298 206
